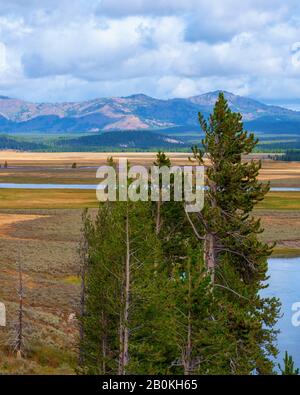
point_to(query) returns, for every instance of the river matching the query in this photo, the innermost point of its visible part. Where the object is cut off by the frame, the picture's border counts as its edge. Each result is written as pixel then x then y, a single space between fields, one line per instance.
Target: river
pixel 284 283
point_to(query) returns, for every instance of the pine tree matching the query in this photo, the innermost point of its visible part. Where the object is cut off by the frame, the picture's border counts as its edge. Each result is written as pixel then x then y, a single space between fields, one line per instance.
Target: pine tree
pixel 122 299
pixel 187 296
pixel 161 160
pixel 83 252
pixel 191 325
pixel 175 233
pixel 100 322
pixel 289 366
pixel 233 254
pixel 19 343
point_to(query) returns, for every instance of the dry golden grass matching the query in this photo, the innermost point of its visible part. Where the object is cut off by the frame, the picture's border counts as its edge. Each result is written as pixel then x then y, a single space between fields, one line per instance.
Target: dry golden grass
pixel 47 198
pixel 17 158
pixel 8 219
pixel 81 158
pixel 46 242
pixel 281 173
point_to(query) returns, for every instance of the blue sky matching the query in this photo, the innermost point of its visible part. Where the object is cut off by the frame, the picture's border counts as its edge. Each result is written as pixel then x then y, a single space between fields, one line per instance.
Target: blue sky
pixel 62 50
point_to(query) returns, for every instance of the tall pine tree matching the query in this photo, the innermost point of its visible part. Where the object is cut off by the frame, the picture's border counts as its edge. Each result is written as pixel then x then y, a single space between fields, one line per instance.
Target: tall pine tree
pixel 234 256
pixel 122 292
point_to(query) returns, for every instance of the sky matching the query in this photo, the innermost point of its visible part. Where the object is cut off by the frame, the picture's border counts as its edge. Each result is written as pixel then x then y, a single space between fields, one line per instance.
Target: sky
pixel 69 50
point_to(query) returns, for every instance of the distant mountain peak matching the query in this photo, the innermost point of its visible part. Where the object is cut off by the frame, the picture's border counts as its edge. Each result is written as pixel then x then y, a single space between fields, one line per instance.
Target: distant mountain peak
pixel 215 94
pixel 139 96
pixel 218 91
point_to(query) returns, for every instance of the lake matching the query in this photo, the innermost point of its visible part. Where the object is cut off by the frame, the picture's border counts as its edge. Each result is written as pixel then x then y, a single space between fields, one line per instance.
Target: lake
pixel 284 283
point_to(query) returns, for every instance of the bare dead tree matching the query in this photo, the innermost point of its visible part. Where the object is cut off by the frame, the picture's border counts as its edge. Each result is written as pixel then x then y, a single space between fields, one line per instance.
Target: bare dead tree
pixel 83 251
pixel 121 339
pixel 187 351
pixel 19 344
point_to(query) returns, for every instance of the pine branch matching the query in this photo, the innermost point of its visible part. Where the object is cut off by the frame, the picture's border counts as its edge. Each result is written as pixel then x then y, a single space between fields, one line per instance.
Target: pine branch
pixel 193 227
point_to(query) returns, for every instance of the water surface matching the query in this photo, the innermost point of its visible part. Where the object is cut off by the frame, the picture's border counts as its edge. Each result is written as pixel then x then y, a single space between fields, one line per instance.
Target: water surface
pixel 284 283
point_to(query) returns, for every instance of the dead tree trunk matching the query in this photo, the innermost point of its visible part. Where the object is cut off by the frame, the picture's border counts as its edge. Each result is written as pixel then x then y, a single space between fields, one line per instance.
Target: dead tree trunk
pixel 187 357
pixel 19 338
pixel 121 342
pixel 83 272
pixel 210 254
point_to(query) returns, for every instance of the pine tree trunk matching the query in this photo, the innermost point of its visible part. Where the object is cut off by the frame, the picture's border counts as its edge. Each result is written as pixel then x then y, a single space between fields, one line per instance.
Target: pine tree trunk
pixel 210 258
pixel 188 353
pixel 124 329
pixel 121 342
pixel 210 255
pixel 127 294
pixel 158 220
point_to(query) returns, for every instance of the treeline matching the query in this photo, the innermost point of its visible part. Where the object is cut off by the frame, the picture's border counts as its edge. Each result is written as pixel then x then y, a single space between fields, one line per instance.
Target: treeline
pixel 108 141
pixel 125 139
pixel 165 291
pixel 7 142
pixel 291 156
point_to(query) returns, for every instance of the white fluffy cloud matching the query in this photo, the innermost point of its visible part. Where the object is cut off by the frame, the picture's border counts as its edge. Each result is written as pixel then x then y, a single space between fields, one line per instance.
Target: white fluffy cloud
pixel 74 50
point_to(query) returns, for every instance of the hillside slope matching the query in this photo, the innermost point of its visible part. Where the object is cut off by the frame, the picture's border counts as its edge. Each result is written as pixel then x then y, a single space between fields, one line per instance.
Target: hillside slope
pixel 136 112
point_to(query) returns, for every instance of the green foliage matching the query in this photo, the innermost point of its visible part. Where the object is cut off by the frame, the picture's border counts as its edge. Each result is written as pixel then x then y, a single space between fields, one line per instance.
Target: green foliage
pixel 239 259
pixel 105 289
pixel 162 160
pixel 288 368
pixel 150 290
pixel 47 355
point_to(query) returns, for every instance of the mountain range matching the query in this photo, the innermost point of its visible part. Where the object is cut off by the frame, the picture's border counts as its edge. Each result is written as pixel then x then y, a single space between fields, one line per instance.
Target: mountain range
pixel 137 112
